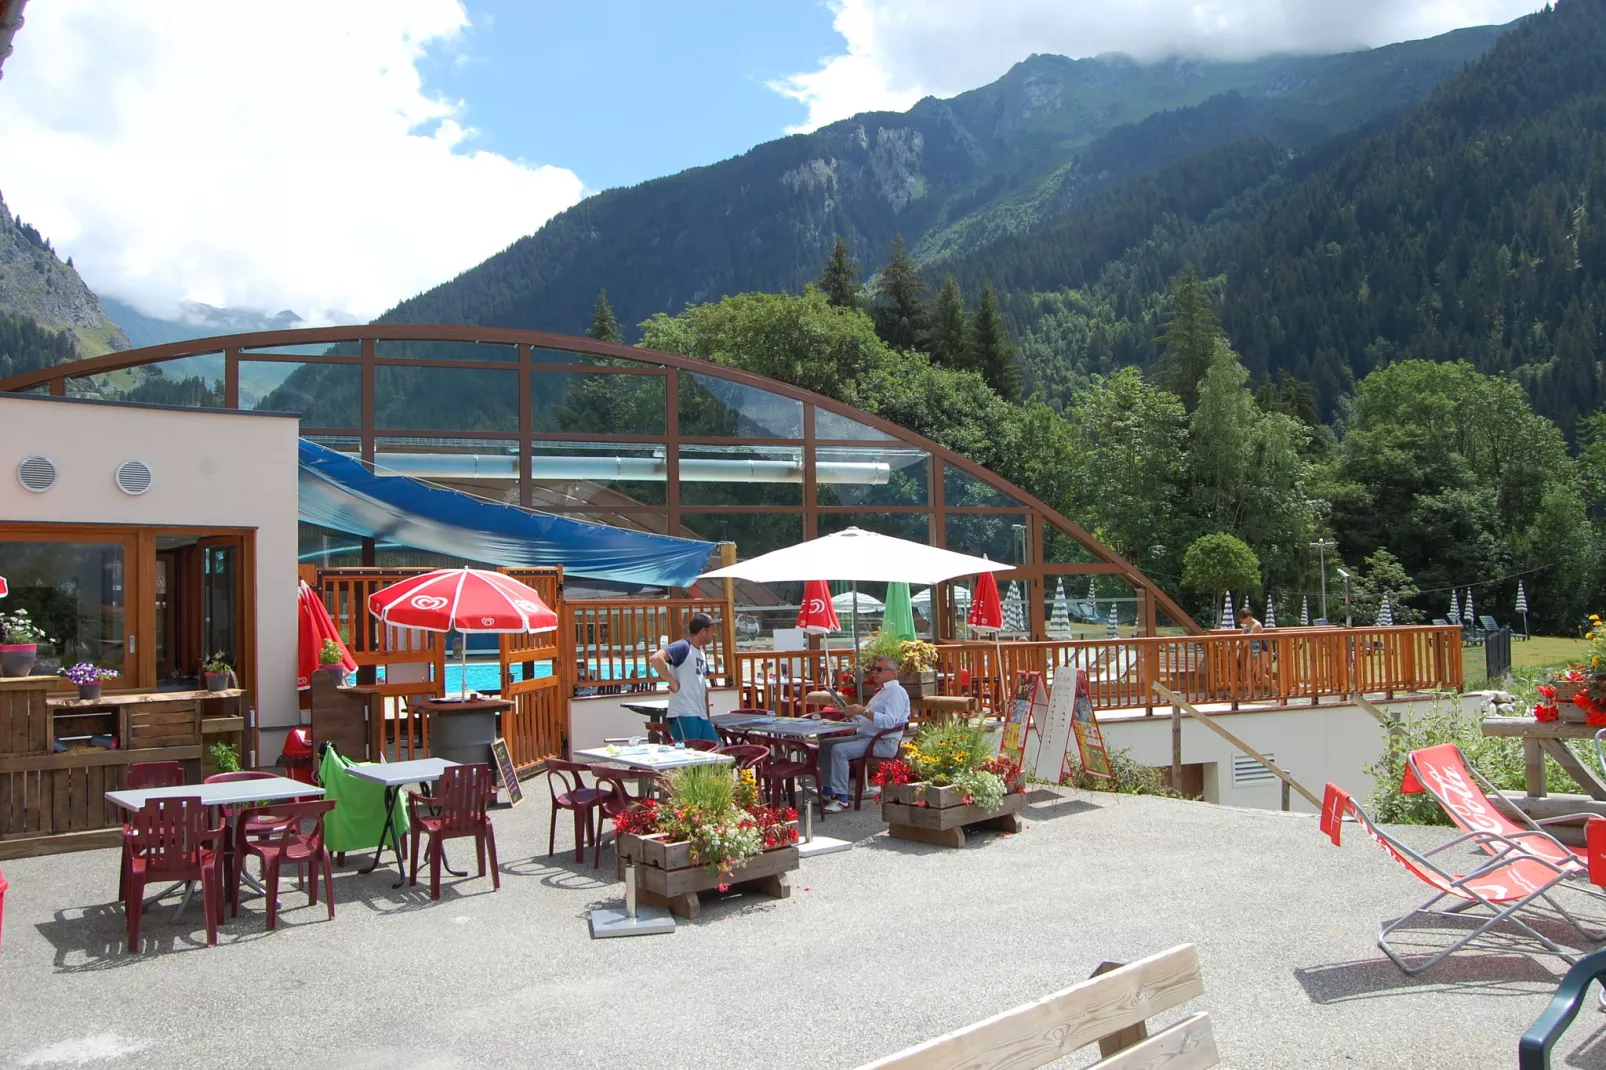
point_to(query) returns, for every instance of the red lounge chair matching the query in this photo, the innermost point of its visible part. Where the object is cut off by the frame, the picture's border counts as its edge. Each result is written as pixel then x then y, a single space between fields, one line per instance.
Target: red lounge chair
pixel 1503 886
pixel 1444 773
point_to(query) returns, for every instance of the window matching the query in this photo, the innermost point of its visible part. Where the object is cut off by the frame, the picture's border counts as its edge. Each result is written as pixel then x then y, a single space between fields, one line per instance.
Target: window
pixel 326 395
pixel 74 592
pixel 873 475
pixel 719 408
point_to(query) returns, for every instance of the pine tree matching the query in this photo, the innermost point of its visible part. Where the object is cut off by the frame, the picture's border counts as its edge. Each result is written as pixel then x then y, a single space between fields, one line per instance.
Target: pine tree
pixel 1190 339
pixel 604 327
pixel 900 313
pixel 949 332
pixel 990 351
pixel 839 282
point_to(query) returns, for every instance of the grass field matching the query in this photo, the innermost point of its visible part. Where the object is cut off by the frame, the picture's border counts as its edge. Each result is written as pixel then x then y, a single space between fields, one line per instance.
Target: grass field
pixel 1544 650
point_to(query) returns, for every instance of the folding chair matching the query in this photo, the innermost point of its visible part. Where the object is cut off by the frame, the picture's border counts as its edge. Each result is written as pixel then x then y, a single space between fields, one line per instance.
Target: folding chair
pixel 1504 886
pixel 1464 794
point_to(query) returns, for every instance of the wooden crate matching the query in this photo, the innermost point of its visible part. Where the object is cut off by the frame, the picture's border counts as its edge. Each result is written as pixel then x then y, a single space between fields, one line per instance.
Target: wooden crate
pixel 944 818
pixel 161 724
pixel 24 716
pixel 666 877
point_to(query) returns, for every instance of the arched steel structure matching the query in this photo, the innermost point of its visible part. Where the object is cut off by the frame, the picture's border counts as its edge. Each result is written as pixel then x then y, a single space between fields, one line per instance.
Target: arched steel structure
pixel 625 435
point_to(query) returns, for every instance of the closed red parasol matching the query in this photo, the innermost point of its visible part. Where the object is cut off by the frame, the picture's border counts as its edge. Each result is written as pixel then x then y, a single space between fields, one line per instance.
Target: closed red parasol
pixel 463 600
pixel 315 626
pixel 986 610
pixel 818 613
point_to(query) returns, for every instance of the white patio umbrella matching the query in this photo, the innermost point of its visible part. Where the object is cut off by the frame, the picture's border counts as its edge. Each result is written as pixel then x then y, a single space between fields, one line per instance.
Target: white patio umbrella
pixel 1522 606
pixel 1226 614
pixel 854 554
pixel 857 602
pixel 1304 611
pixel 1014 610
pixel 1385 614
pixel 1455 607
pixel 1059 621
pixel 1271 613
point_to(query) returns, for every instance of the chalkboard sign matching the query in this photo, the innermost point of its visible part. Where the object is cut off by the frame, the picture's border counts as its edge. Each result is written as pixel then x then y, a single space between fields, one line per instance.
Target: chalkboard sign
pixel 504 769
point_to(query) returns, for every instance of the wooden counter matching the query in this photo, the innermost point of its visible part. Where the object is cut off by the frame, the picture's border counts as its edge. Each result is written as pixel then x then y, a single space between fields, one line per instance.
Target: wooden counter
pixel 55 800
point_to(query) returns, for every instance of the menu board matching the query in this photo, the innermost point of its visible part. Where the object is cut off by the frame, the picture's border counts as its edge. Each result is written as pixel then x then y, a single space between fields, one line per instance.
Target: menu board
pixel 1053 731
pixel 504 769
pixel 1089 738
pixel 1030 702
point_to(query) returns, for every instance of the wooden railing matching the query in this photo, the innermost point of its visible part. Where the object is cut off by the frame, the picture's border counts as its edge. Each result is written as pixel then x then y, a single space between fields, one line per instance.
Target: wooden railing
pixel 611 639
pixel 1281 665
pixel 537 726
pixel 781 680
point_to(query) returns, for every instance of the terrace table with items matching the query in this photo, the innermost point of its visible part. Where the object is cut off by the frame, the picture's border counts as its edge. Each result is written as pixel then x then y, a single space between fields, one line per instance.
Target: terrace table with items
pixel 651 759
pixel 393 775
pixel 1541 738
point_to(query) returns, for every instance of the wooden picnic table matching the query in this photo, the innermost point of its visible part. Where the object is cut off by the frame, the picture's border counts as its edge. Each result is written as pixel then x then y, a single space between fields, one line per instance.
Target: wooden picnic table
pixel 1541 738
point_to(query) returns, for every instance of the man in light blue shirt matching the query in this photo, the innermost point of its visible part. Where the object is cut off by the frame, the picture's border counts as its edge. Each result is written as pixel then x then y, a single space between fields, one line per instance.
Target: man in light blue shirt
pixel 684 664
pixel 888 708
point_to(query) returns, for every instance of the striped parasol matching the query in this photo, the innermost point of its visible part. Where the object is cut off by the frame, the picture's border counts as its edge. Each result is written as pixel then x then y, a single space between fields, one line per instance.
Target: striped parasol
pixel 1014 610
pixel 1059 621
pixel 1271 612
pixel 1522 598
pixel 1385 614
pixel 1112 628
pixel 1467 611
pixel 1226 614
pixel 1455 607
pixel 1304 611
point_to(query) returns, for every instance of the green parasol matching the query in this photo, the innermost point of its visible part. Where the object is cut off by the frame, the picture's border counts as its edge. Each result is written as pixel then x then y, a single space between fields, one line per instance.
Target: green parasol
pixel 899 617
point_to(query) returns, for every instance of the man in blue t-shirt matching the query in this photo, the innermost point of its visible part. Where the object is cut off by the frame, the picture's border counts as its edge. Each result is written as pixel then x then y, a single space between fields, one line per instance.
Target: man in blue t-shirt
pixel 684 665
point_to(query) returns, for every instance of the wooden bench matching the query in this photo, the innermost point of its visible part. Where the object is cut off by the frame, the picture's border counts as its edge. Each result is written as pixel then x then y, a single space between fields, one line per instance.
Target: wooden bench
pixel 1110 1008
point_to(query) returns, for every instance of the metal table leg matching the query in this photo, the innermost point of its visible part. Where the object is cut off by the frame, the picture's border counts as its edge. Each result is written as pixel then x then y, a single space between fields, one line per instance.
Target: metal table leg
pixel 395 841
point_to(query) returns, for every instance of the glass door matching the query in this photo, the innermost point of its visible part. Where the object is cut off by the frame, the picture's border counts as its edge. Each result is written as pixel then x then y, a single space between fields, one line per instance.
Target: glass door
pixel 221 597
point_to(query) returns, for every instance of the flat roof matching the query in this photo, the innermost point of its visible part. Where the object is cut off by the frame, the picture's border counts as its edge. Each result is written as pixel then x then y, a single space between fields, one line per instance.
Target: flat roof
pixel 147 405
pixel 878 947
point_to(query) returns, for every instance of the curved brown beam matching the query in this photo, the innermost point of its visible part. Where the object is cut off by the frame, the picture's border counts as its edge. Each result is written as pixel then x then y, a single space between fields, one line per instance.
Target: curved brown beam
pixel 412 332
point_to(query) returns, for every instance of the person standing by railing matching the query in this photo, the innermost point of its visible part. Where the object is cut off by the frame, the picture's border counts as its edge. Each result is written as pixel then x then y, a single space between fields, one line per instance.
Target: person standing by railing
pixel 1259 655
pixel 684 666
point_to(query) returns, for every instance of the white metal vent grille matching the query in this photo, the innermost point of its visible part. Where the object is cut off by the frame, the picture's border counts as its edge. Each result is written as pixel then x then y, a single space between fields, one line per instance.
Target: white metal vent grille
pixel 134 477
pixel 37 473
pixel 1245 770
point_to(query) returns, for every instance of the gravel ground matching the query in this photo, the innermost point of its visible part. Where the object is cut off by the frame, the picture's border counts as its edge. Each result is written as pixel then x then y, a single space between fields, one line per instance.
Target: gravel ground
pixel 878 947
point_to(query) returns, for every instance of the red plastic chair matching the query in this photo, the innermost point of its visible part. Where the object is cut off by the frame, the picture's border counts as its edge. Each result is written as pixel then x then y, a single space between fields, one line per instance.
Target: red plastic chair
pixel 231 816
pixel 574 796
pixel 616 799
pixel 702 744
pixel 167 840
pixel 459 801
pixel 861 768
pixel 790 760
pixel 141 775
pixel 277 833
pixel 747 755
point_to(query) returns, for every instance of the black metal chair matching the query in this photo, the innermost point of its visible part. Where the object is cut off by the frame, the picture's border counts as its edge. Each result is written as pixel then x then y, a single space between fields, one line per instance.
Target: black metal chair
pixel 1533 1051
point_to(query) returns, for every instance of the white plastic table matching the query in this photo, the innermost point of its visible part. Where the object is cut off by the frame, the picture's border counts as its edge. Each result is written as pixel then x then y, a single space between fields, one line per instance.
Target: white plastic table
pixel 225 793
pixel 393 775
pixel 653 757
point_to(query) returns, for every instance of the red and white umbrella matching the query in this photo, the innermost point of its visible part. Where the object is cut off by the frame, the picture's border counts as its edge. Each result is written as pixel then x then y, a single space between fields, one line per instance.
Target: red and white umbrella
pixel 316 626
pixel 987 615
pixel 2 586
pixel 463 600
pixel 817 616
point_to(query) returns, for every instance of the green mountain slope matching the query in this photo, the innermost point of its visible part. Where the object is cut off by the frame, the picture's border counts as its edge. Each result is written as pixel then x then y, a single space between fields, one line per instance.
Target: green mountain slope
pixel 1473 228
pixel 948 174
pixel 36 285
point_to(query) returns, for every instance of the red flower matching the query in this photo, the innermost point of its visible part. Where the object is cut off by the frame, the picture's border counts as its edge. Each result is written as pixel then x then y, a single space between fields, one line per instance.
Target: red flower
pixel 1548 691
pixel 1547 712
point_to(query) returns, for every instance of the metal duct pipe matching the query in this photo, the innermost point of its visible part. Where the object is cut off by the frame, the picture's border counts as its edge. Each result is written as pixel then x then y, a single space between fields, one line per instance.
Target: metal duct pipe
pixel 647 469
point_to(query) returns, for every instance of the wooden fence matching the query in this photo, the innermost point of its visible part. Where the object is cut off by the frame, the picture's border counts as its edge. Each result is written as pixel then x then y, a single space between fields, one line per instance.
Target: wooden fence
pixel 611 639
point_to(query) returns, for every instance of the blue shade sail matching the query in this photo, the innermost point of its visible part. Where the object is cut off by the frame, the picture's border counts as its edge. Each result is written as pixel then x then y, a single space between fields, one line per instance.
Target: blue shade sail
pixel 338 491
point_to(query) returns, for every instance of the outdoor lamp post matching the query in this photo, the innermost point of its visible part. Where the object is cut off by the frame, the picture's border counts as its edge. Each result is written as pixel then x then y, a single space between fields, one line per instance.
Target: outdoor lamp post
pixel 1348 622
pixel 1321 546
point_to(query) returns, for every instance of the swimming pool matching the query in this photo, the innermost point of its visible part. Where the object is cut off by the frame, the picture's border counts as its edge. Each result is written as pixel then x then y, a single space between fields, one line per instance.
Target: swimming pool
pixel 487 675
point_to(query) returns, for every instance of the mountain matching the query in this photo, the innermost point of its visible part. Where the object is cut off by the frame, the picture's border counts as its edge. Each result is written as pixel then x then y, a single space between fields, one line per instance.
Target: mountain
pixel 197 320
pixel 1474 227
pixel 948 174
pixel 37 286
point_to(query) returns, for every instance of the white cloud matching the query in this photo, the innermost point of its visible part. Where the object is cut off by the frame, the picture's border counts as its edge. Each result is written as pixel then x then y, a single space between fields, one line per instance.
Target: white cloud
pixel 898 51
pixel 261 155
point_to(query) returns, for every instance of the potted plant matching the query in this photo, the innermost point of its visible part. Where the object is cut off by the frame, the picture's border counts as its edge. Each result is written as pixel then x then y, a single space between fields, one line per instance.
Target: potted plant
pixel 89 676
pixel 219 673
pixel 225 757
pixel 948 779
pixel 19 643
pixel 917 667
pixel 332 661
pixel 711 832
pixel 1579 694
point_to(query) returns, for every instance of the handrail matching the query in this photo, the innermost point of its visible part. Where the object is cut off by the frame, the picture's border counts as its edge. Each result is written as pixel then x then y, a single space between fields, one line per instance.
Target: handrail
pixel 610 639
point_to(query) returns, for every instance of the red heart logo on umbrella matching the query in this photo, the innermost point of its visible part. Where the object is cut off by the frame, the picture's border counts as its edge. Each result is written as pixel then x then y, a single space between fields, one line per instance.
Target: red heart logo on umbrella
pixel 488 621
pixel 427 602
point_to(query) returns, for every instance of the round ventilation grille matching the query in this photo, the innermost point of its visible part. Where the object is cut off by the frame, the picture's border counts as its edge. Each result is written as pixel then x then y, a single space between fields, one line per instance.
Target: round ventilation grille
pixel 37 473
pixel 134 477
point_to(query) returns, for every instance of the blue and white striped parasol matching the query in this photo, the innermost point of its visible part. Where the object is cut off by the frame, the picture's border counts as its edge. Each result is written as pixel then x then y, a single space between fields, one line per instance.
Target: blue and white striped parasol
pixel 1271 612
pixel 1059 621
pixel 1304 611
pixel 1112 628
pixel 1385 614
pixel 1227 623
pixel 1455 607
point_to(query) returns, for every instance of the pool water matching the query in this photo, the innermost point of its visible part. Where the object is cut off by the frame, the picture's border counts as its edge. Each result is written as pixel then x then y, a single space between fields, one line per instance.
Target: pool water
pixel 487 675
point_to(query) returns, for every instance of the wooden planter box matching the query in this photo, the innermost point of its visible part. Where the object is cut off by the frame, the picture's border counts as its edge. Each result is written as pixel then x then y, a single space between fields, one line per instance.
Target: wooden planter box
pixel 667 877
pixel 919 684
pixel 1566 691
pixel 936 815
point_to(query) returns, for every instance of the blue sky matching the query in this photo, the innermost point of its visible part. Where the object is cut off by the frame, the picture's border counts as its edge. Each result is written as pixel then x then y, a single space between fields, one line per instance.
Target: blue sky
pixel 619 91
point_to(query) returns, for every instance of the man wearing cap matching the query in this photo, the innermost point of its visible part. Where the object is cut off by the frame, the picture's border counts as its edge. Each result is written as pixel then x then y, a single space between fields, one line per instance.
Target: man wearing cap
pixel 684 665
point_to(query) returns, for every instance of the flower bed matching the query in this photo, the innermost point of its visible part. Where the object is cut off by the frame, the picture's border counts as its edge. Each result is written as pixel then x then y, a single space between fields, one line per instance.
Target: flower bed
pixel 947 782
pixel 710 834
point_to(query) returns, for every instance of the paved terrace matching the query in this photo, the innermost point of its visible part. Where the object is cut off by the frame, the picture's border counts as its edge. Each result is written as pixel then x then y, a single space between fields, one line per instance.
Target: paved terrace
pixel 878 947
